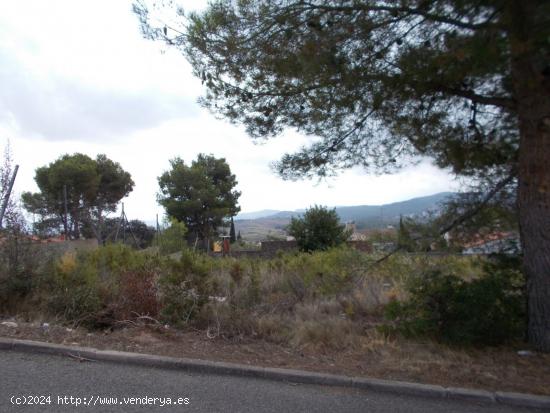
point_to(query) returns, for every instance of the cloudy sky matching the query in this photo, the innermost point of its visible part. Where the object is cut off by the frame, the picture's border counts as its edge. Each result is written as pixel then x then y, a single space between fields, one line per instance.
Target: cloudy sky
pixel 76 76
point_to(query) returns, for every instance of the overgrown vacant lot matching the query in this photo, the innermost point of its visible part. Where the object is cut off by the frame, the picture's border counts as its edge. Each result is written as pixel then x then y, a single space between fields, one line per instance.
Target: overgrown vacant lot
pixel 447 320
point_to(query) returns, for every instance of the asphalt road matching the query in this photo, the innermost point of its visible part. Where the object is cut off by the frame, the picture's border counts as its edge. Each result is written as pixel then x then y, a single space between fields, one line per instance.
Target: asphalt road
pixel 28 377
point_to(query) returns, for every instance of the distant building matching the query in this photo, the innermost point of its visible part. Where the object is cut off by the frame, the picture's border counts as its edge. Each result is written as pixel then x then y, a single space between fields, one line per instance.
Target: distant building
pixel 355 236
pixel 350 226
pixel 384 246
pixel 497 242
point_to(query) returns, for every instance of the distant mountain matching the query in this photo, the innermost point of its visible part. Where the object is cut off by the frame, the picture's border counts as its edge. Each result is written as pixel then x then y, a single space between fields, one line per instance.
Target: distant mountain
pixel 287 214
pixel 256 214
pixel 390 213
pixel 365 216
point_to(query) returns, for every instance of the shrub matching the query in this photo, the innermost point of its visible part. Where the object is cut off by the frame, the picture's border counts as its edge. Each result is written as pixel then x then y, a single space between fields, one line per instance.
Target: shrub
pixel 318 229
pixel 485 311
pixel 137 295
pixel 73 289
pixel 184 288
pixel 100 287
pixel 172 239
pixel 20 266
pixel 320 273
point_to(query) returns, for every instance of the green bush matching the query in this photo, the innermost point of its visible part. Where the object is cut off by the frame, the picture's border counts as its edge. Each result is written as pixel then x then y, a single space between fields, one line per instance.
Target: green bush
pixel 20 265
pixel 320 273
pixel 100 287
pixel 489 310
pixel 184 288
pixel 172 239
pixel 318 229
pixel 72 290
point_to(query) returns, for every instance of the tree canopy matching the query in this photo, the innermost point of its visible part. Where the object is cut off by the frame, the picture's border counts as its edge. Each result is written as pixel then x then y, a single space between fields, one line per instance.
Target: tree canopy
pixel 378 83
pixel 93 188
pixel 232 235
pixel 318 229
pixel 200 195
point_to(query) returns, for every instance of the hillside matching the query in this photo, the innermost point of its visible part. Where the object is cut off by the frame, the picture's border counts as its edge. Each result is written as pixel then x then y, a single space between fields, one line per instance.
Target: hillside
pixel 272 223
pixel 257 214
pixel 376 216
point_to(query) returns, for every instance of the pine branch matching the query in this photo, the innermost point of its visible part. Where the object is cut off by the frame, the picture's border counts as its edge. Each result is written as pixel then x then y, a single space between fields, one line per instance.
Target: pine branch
pixel 408 11
pixel 503 102
pixel 474 211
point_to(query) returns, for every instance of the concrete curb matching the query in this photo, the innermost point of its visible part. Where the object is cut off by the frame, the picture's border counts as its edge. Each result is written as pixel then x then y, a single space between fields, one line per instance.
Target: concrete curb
pixel 294 376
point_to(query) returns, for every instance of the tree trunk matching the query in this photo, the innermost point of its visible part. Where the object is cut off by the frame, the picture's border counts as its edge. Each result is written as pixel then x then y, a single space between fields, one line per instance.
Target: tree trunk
pixel 531 82
pixel 97 229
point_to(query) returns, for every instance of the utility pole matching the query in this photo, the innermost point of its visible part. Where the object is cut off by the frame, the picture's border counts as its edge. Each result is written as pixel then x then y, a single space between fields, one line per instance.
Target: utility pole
pixel 7 196
pixel 123 225
pixel 158 232
pixel 119 223
pixel 66 213
pixel 125 218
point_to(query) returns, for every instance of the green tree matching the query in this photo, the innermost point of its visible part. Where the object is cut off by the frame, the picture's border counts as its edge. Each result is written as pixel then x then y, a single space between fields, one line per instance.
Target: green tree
pixel 318 229
pixel 144 234
pixel 172 238
pixel 201 195
pixel 466 83
pixel 404 240
pixel 93 188
pixel 114 184
pixel 137 233
pixel 232 236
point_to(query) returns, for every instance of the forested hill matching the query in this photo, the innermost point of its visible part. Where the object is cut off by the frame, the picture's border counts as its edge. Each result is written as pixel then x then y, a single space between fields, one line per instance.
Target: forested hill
pixel 273 222
pixel 358 213
pixel 390 213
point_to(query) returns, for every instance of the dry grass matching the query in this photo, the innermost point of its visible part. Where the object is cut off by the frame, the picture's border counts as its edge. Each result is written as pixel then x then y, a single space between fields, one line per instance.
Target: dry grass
pixel 323 300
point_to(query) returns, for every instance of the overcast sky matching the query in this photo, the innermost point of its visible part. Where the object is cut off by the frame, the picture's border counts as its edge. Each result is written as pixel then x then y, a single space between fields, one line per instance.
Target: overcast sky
pixel 76 76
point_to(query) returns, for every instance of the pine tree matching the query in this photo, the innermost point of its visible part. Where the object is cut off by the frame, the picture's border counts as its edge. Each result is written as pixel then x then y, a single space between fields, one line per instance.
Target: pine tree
pixel 379 82
pixel 94 188
pixel 404 240
pixel 201 195
pixel 232 237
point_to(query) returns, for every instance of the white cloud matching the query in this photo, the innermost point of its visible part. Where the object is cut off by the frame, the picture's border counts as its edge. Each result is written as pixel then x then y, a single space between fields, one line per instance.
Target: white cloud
pixel 58 109
pixel 85 73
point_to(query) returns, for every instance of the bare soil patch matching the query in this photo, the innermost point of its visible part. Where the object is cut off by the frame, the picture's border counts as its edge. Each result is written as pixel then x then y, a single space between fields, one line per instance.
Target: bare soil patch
pixel 392 359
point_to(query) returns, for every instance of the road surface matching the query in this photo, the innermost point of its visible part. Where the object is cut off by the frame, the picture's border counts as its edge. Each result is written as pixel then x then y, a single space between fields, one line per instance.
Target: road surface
pixel 64 384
